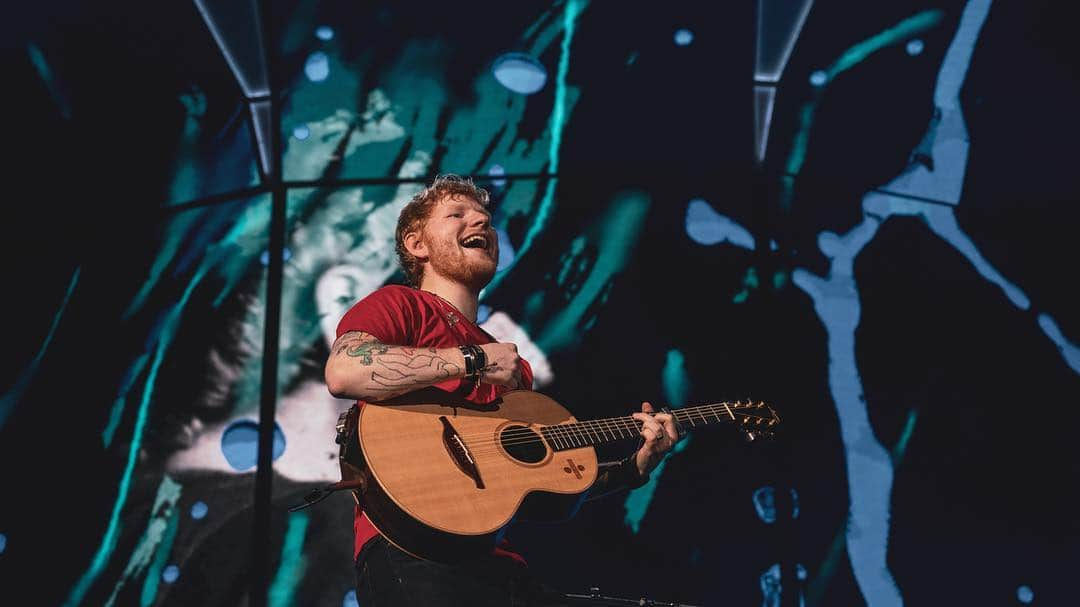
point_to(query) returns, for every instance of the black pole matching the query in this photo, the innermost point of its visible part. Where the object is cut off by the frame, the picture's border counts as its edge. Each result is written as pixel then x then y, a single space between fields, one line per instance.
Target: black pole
pixel 260 529
pixel 767 221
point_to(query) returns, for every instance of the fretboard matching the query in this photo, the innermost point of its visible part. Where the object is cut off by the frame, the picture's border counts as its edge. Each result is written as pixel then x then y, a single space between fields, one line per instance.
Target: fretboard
pixel 601 431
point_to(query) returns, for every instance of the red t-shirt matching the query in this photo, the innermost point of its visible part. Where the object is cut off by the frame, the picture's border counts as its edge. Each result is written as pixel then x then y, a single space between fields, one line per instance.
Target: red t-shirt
pixel 400 316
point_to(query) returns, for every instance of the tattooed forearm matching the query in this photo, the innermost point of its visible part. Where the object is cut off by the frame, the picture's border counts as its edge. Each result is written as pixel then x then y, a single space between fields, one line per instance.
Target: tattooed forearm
pixel 400 371
pixel 361 366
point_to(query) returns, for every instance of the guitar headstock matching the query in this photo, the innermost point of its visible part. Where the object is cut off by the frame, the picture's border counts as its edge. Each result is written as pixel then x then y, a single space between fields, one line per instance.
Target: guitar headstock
pixel 756 420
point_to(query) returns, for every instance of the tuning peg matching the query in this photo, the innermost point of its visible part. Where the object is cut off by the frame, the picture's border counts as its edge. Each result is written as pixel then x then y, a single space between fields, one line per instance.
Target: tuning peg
pixel 760 405
pixel 750 437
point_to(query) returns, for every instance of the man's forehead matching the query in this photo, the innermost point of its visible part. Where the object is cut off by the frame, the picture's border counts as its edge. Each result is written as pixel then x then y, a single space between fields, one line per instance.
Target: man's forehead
pixel 461 200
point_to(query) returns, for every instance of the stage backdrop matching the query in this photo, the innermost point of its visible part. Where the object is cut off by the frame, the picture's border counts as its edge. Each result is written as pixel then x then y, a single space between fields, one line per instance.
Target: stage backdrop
pixel 862 214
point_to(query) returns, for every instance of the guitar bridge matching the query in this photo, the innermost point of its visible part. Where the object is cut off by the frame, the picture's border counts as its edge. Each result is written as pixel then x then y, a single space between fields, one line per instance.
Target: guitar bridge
pixel 459 453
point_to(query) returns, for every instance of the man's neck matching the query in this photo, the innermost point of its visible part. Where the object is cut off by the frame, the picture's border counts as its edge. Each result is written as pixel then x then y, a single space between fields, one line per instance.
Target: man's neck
pixel 462 297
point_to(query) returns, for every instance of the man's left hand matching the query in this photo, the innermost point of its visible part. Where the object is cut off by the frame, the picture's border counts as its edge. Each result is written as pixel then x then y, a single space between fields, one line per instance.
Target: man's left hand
pixel 660 434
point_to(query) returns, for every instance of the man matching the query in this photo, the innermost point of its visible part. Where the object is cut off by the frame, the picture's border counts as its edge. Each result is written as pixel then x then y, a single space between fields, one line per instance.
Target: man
pixel 401 339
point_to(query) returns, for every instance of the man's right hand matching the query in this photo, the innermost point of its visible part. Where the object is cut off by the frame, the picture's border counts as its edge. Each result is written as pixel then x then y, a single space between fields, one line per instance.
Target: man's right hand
pixel 503 365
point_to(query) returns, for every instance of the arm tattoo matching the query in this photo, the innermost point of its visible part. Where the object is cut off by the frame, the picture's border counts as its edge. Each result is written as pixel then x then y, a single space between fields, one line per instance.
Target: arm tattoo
pixel 358 344
pixel 397 369
pixel 405 371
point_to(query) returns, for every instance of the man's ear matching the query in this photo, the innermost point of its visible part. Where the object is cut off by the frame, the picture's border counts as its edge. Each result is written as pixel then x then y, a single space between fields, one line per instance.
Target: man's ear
pixel 416 246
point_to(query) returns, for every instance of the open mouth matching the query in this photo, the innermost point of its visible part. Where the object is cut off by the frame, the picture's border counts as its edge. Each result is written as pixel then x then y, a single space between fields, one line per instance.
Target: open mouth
pixel 476 241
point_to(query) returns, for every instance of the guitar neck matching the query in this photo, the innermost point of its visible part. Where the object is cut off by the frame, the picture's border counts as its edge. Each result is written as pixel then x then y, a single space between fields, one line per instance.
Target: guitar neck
pixel 613 429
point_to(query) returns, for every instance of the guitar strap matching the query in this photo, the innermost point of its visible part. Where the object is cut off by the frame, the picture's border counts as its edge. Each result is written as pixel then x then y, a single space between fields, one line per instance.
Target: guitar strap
pixel 350 461
pixel 349 458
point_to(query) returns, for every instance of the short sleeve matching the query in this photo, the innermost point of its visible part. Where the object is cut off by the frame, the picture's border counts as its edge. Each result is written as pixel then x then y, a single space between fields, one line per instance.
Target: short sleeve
pixel 389 313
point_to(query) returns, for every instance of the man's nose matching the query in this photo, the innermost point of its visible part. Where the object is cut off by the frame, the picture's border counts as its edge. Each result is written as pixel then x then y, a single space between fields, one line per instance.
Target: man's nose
pixel 480 220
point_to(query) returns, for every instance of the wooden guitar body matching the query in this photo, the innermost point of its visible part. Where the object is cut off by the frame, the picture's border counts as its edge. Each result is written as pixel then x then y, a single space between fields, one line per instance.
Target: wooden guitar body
pixel 444 480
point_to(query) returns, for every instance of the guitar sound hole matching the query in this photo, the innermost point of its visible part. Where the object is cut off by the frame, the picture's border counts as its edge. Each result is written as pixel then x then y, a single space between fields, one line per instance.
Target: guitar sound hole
pixel 523 444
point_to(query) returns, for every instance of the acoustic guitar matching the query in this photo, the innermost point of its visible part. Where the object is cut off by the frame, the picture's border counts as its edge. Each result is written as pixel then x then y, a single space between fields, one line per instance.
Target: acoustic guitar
pixel 441 481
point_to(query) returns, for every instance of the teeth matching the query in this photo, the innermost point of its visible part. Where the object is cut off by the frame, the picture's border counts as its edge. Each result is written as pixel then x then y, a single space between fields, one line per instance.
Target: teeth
pixel 478 241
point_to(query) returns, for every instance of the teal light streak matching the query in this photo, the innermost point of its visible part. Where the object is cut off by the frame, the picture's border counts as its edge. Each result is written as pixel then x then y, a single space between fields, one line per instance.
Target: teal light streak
pixel 112 532
pixel 47 76
pixel 905 436
pixel 232 255
pixel 176 235
pixel 293 563
pixel 556 125
pixel 619 230
pixel 675 379
pixel 12 397
pixel 901 31
pixel 117 412
pixel 848 59
pixel 750 282
pixel 161 557
pixel 676 389
pixel 254 220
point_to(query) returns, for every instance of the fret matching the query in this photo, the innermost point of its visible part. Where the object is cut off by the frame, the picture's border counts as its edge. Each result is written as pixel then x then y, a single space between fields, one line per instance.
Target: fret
pixel 715 413
pixel 690 418
pixel 564 435
pixel 575 438
pixel 549 437
pixel 590 433
pixel 598 436
pixel 603 428
pixel 557 437
pixel 732 415
pixel 561 432
pixel 607 430
pixel 702 416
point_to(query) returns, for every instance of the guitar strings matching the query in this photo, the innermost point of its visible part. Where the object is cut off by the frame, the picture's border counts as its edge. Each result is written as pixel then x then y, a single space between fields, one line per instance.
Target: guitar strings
pixel 718 413
pixel 486 443
pixel 586 433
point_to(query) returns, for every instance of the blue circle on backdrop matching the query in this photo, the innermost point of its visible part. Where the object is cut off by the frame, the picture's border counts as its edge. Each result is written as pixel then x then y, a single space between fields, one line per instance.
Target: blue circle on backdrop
pixel 818 78
pixel 240 444
pixel 3 543
pixel 199 510
pixel 317 66
pixel 170 574
pixel 497 170
pixel 350 599
pixel 301 132
pixel 286 255
pixel 683 37
pixel 519 72
pixel 1025 594
pixel 914 47
pixel 324 32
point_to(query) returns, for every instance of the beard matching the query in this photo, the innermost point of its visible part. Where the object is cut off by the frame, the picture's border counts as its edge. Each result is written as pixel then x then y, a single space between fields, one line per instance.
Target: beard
pixel 472 268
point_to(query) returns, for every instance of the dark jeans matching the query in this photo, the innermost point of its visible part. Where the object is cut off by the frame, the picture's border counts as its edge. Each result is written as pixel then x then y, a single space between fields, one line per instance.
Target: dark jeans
pixel 388 577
